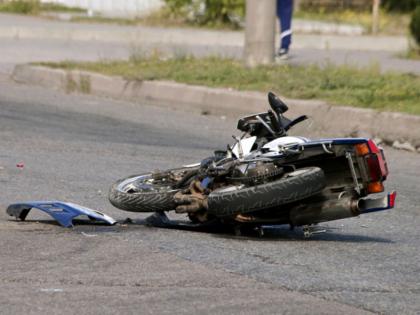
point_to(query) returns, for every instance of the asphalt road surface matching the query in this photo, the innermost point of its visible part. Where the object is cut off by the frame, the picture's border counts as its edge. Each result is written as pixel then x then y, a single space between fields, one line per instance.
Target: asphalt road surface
pixel 74 147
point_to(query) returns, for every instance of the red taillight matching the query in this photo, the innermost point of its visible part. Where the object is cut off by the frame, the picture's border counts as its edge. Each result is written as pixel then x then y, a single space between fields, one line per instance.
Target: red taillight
pixel 375 187
pixel 374 167
pixel 372 146
pixel 391 199
pixel 383 167
pixel 375 160
pixel 383 164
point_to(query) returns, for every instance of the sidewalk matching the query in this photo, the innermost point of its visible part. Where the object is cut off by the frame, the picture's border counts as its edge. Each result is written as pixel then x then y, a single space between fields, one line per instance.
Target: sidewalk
pixel 24 27
pixel 25 39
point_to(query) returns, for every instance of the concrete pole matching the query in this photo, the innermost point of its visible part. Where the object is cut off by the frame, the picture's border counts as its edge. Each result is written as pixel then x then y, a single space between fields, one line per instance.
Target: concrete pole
pixel 375 16
pixel 260 19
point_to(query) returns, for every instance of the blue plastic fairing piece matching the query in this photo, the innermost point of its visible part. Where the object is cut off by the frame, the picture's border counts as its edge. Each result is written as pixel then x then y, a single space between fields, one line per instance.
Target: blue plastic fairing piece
pixel 62 212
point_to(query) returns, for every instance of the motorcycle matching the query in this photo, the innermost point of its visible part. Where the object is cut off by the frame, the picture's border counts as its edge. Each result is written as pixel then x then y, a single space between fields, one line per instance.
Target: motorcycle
pixel 265 178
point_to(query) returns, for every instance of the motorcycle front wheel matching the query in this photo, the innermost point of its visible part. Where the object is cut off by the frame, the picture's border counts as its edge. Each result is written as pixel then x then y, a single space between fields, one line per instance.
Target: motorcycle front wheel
pixel 147 192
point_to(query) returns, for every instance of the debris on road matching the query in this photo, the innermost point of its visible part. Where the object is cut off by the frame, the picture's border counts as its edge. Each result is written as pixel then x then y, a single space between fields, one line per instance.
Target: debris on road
pixel 404 146
pixel 127 221
pixel 88 235
pixel 62 212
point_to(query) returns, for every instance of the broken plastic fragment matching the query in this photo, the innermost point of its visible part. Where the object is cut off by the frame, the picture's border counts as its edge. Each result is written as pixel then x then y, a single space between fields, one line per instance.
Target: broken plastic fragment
pixel 62 212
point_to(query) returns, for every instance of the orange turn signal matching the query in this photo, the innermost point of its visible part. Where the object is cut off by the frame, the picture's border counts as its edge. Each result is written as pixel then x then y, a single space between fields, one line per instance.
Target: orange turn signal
pixel 375 187
pixel 362 149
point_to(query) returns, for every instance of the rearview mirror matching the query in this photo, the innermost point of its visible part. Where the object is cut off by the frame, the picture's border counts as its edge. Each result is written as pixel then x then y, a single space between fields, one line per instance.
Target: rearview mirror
pixel 277 104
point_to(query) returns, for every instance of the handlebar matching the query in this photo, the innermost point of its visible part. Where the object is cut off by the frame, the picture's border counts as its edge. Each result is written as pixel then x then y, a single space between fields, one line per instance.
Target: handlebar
pixel 272 122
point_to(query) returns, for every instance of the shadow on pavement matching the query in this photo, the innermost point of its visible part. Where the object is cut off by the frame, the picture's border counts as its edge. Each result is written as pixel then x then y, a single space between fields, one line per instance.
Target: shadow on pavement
pixel 273 233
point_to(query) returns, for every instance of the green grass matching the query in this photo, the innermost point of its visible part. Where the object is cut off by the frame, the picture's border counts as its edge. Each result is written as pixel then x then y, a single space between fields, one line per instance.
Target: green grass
pixel 343 85
pixel 20 6
pixel 107 20
pixel 56 7
pixel 412 53
pixel 34 7
pixel 159 18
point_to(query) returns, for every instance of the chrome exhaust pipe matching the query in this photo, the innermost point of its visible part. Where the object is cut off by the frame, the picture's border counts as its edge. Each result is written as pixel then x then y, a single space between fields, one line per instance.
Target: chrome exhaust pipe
pixel 324 211
pixel 340 209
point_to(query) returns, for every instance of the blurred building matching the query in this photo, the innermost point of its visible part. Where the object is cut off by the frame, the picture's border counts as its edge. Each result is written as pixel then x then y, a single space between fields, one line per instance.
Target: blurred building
pixel 114 7
pixel 133 8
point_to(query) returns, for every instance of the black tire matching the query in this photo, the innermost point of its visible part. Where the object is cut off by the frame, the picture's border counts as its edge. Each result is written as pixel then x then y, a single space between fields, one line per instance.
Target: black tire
pixel 294 186
pixel 142 201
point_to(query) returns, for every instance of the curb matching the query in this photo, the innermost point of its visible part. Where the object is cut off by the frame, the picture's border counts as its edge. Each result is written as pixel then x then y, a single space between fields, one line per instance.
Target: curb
pixel 330 121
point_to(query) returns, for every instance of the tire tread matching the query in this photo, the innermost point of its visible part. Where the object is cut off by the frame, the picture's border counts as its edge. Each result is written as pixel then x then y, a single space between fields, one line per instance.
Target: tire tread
pixel 271 194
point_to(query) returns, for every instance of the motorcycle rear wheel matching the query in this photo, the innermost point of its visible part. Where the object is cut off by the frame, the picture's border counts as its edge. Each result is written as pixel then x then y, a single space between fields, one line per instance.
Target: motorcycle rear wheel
pixel 241 199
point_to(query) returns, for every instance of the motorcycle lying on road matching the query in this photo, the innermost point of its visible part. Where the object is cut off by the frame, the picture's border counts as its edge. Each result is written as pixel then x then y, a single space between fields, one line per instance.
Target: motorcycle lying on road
pixel 266 178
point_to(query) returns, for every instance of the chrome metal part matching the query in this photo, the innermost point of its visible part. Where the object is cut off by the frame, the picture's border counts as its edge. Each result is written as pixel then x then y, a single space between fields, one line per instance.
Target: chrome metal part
pixel 309 230
pixel 265 125
pixel 374 204
pixel 353 172
pixel 267 222
pixel 290 149
pixel 259 230
pixel 324 211
pixel 327 150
